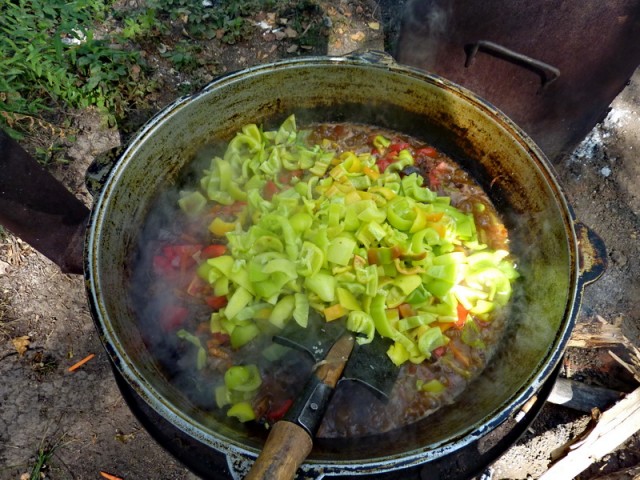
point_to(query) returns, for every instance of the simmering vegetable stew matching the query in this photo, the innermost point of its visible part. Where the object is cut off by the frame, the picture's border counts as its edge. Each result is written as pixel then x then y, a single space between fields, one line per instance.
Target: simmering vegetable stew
pixel 348 222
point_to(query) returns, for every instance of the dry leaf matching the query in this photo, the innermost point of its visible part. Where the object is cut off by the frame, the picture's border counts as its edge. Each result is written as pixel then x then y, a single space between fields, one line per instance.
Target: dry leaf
pixel 357 37
pixel 290 32
pixel 125 437
pixel 3 267
pixel 292 49
pixel 374 25
pixel 21 344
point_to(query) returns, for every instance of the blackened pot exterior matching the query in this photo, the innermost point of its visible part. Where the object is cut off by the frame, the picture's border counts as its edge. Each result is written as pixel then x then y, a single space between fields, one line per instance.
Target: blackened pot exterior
pixel 553 67
pixel 512 169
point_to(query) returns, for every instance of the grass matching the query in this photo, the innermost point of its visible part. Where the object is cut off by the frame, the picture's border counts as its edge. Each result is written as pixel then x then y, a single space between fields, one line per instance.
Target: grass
pixel 51 59
pixel 46 451
pixel 54 56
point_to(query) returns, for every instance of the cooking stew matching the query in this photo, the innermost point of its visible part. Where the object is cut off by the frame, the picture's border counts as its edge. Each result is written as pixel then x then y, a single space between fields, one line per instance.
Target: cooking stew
pixel 342 222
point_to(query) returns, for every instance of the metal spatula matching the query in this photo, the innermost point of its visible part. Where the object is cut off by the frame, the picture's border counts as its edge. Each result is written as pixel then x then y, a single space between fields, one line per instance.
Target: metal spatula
pixel 332 347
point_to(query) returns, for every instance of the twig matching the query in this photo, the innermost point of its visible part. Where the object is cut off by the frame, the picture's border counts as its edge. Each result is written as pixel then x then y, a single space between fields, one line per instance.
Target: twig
pixel 75 366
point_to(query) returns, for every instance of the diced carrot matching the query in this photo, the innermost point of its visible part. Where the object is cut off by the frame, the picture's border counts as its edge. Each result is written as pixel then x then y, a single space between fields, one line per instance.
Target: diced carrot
pixel 334 312
pixel 462 316
pixel 460 355
pixel 108 476
pixel 371 173
pixel 77 365
pixel 406 310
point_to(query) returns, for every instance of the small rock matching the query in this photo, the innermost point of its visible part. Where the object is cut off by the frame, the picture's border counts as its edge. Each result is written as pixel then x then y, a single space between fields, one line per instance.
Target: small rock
pixel 618 258
pixel 358 37
pixel 292 49
pixel 605 172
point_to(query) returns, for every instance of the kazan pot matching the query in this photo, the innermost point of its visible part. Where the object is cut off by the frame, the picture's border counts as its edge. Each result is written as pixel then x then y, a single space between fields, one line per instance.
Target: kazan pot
pixel 367 88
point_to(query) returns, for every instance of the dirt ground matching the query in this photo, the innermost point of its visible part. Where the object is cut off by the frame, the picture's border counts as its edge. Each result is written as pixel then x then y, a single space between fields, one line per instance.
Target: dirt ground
pixel 80 418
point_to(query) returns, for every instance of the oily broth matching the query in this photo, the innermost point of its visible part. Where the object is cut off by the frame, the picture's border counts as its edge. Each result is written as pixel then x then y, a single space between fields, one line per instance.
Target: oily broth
pixel 163 305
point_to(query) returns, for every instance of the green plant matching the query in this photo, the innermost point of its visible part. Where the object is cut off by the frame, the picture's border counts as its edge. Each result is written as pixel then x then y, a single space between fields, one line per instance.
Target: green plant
pixel 49 57
pixel 227 20
pixel 46 450
pixel 184 56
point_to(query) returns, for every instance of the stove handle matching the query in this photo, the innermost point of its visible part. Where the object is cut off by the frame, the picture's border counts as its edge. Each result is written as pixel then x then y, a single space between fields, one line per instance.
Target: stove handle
pixel 548 74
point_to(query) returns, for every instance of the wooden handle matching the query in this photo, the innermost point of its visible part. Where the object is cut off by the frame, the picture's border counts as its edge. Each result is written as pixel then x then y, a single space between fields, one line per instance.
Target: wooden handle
pixel 286 448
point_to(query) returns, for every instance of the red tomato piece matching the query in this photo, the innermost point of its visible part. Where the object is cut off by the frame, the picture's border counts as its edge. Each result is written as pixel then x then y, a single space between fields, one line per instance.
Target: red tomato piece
pixel 270 189
pixel 396 147
pixel 212 251
pixel 383 163
pixel 173 317
pixel 279 412
pixel 428 152
pixel 216 302
pixel 161 264
pixel 221 338
pixel 440 351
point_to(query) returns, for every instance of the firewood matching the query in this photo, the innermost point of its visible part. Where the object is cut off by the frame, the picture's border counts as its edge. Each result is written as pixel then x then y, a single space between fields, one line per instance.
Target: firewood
pixel 600 334
pixel 582 397
pixel 613 428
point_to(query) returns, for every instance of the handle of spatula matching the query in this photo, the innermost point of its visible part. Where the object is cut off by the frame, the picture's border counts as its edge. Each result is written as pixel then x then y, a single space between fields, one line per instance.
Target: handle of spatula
pixel 284 451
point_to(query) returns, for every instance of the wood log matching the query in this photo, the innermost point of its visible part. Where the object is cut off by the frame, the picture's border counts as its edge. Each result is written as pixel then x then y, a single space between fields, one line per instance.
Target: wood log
pixel 582 397
pixel 614 427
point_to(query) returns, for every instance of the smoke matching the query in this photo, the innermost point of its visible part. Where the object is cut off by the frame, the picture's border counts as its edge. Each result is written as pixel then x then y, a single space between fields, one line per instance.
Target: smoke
pixel 424 24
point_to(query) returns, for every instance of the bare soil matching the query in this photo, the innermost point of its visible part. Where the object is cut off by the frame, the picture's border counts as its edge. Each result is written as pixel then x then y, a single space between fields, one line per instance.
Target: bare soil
pixel 80 417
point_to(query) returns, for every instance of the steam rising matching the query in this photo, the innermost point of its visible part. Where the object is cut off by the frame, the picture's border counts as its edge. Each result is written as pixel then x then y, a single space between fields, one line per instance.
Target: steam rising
pixel 424 25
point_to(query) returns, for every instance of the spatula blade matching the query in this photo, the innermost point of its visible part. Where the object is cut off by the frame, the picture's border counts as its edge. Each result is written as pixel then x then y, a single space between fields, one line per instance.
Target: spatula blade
pixel 370 365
